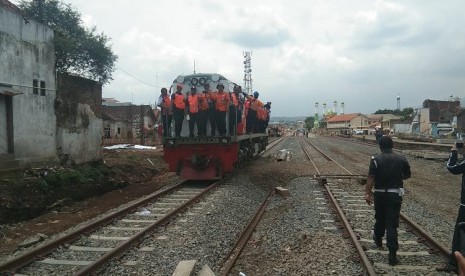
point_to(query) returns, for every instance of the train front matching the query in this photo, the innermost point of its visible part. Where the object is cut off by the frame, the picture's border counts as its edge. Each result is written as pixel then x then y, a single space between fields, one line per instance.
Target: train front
pixel 199 157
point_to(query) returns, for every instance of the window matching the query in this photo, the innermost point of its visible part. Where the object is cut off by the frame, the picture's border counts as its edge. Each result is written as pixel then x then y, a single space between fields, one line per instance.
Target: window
pixel 119 130
pixel 106 132
pixel 35 87
pixel 42 88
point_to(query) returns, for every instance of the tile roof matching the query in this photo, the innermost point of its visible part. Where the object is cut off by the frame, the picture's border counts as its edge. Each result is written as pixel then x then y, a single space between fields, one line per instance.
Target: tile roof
pixel 342 118
pixel 125 113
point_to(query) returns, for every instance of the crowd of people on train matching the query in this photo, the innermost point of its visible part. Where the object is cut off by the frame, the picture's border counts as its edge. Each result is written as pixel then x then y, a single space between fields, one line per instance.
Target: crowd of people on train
pixel 201 107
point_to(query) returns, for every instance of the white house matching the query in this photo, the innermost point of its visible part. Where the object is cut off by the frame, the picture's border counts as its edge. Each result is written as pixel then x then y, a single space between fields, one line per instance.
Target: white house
pixel 27 87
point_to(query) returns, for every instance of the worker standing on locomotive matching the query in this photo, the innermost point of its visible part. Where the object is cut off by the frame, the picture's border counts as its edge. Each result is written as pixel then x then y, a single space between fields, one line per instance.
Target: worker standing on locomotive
pixel 179 109
pixel 204 109
pixel 386 174
pixel 193 111
pixel 233 111
pixel 211 109
pixel 222 100
pixel 164 102
pixel 264 117
pixel 253 106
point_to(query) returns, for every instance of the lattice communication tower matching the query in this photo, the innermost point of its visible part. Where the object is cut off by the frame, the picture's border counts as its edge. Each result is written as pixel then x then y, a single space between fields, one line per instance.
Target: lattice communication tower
pixel 248 72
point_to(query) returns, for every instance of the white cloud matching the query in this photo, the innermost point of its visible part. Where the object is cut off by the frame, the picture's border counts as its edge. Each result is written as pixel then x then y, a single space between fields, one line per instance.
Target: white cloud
pixel 361 52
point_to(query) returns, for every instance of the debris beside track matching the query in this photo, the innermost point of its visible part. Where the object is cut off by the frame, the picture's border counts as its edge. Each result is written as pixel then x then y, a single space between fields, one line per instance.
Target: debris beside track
pixel 129 167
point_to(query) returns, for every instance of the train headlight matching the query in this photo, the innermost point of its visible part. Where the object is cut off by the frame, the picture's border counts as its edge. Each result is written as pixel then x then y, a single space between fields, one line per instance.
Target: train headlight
pixel 215 77
pixel 194 81
pixel 180 79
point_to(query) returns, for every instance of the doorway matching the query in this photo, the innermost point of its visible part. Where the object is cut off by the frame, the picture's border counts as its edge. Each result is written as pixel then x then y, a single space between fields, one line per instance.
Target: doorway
pixel 6 124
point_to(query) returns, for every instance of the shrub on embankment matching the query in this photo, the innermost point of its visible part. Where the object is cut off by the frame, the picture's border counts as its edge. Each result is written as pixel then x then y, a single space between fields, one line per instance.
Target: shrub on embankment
pixel 47 189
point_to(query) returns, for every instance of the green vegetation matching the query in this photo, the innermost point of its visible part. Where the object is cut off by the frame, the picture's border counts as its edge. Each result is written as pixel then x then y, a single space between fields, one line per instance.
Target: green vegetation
pixel 309 122
pixel 405 114
pixel 76 176
pixel 78 50
pixel 133 157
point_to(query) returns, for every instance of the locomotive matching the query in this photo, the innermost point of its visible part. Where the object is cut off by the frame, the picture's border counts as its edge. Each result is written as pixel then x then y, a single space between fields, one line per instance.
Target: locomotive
pixel 210 157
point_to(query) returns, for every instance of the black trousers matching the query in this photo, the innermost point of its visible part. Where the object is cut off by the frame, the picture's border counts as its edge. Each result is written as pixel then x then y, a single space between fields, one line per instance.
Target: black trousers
pixel 232 120
pixel 178 115
pixel 221 122
pixel 213 120
pixel 456 237
pixel 166 121
pixel 387 211
pixel 193 120
pixel 202 125
pixel 251 124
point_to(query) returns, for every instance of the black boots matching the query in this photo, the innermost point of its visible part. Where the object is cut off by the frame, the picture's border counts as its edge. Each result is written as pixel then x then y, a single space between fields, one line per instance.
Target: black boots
pixel 378 241
pixel 393 258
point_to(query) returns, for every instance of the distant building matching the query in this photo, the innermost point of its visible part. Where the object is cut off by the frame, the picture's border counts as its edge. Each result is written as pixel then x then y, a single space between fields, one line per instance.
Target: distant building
pixel 300 124
pixel 124 121
pixel 375 120
pixel 347 121
pixel 437 117
pixel 389 120
pixel 441 111
pixel 44 116
pixel 27 87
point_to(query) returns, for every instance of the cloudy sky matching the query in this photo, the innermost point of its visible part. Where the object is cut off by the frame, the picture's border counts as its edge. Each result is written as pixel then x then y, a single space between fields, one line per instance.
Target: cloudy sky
pixel 364 53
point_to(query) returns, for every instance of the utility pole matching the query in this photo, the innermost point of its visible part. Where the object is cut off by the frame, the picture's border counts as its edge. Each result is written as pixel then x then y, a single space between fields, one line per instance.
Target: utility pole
pixel 141 130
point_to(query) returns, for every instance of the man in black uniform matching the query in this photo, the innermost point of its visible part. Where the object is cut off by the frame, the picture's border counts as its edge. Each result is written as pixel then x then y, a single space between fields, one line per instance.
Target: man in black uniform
pixel 456 168
pixel 387 170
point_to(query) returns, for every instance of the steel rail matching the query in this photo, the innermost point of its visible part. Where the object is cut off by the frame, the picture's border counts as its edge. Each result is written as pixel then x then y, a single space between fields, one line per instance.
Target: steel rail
pixel 411 224
pixel 425 235
pixel 273 144
pixel 138 237
pixel 308 157
pixel 343 176
pixel 358 247
pixel 328 157
pixel 366 262
pixel 236 251
pixel 49 247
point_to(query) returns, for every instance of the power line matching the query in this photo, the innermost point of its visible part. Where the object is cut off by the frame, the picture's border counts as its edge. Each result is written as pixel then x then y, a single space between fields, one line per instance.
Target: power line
pixel 136 78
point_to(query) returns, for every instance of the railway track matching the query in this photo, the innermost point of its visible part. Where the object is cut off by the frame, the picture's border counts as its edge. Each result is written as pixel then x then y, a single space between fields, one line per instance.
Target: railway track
pixel 419 252
pixel 92 247
pixel 86 249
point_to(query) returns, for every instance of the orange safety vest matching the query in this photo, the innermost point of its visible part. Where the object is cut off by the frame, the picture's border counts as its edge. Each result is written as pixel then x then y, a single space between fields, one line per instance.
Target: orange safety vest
pixel 221 101
pixel 234 99
pixel 193 103
pixel 166 106
pixel 255 104
pixel 261 114
pixel 203 100
pixel 179 102
pixel 246 107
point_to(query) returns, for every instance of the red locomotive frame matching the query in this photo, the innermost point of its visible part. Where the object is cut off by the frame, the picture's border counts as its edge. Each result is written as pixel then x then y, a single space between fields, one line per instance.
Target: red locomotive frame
pixel 204 158
pixel 210 157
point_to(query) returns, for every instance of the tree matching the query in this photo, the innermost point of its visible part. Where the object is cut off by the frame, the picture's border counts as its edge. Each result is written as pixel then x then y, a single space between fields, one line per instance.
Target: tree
pixel 77 49
pixel 309 122
pixel 405 114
